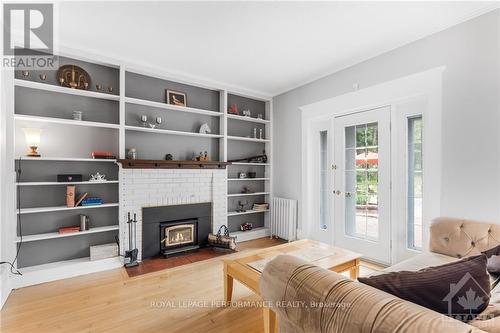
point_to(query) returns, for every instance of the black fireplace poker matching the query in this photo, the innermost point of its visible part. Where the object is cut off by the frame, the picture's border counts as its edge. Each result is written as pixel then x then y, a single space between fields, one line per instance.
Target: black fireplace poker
pixel 132 252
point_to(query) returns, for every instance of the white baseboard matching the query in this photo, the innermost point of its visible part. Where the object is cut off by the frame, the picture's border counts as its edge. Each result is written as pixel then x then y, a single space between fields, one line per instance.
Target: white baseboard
pixel 243 236
pixel 63 270
pixel 5 287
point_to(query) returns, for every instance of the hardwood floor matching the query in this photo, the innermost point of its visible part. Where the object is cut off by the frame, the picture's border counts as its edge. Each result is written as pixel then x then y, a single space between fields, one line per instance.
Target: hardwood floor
pixel 179 299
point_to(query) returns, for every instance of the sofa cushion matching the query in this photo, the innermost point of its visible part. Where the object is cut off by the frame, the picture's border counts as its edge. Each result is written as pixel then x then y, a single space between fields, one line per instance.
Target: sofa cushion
pixel 488 320
pixel 495 295
pixel 493 260
pixel 456 288
pixel 420 261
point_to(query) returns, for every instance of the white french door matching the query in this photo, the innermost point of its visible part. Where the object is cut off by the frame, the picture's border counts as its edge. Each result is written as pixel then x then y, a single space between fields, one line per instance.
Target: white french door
pixel 362 183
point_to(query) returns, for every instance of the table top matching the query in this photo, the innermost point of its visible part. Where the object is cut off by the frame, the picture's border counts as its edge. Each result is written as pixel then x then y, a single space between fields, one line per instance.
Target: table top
pixel 334 256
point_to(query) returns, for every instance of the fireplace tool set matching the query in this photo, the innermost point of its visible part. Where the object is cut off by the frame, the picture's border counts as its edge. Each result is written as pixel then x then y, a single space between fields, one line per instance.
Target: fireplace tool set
pixel 131 254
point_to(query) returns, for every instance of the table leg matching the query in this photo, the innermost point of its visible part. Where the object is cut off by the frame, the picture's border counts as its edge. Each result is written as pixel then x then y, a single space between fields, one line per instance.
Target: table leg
pixel 354 271
pixel 270 321
pixel 228 285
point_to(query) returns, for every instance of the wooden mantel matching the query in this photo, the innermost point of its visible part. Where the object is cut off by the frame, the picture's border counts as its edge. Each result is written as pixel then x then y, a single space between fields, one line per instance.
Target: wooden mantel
pixel 164 164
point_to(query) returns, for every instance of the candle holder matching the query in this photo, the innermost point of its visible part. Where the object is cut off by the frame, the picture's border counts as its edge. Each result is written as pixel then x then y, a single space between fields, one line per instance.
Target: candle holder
pixel 144 120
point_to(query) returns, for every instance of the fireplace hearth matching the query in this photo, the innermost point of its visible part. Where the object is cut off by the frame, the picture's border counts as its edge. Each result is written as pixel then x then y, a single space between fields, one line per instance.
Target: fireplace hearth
pixel 167 230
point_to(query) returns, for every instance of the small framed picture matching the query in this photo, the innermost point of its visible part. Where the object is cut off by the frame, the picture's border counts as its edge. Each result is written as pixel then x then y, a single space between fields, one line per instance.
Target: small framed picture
pixel 175 98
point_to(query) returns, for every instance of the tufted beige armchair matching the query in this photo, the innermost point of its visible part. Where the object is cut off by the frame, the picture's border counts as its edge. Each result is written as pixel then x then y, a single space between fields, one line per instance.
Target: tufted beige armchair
pixel 461 238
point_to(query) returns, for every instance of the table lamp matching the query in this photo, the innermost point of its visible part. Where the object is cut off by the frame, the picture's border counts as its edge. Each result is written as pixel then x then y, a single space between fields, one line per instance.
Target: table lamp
pixel 33 140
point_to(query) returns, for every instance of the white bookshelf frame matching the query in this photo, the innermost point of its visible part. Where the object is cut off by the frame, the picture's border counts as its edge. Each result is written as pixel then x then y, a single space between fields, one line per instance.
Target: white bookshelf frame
pixel 62 208
pixel 52 235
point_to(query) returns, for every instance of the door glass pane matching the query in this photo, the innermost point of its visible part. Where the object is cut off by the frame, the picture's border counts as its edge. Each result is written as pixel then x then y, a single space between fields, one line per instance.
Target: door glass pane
pixel 323 181
pixel 415 182
pixel 361 198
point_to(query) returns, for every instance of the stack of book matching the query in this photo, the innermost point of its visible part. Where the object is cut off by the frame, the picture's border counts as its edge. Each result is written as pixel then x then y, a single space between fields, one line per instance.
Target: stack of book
pixel 83 199
pixel 69 230
pixel 91 202
pixel 103 155
pixel 260 206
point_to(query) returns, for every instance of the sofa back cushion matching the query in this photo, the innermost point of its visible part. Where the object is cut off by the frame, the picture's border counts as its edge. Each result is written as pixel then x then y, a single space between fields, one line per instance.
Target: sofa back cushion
pixel 461 238
pixel 308 299
pixel 460 289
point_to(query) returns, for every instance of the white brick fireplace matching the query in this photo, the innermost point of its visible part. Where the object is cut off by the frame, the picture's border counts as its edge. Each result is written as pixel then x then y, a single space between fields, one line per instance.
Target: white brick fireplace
pixel 141 188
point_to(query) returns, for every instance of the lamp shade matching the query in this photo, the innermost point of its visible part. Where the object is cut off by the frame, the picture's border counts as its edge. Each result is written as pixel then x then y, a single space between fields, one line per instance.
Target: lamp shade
pixel 32 136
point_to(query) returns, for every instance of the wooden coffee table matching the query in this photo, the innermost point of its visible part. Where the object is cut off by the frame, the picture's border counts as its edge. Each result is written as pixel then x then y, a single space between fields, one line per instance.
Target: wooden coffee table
pixel 335 259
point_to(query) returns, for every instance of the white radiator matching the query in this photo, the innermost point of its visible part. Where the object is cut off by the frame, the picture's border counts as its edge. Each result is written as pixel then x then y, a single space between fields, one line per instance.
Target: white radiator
pixel 284 218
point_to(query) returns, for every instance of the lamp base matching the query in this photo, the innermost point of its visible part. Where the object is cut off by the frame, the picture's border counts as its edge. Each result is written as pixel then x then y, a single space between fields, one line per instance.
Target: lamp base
pixel 33 152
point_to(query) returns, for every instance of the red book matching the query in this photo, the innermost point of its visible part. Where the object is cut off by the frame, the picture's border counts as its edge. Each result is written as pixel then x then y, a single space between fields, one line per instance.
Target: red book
pixel 101 153
pixel 68 230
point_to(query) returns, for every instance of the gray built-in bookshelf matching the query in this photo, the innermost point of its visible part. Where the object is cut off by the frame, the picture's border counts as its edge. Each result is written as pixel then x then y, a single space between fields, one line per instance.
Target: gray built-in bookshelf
pixel 112 122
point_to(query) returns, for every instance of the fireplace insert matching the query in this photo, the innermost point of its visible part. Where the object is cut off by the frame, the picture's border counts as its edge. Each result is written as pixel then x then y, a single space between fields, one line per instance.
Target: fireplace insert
pixel 188 228
pixel 178 236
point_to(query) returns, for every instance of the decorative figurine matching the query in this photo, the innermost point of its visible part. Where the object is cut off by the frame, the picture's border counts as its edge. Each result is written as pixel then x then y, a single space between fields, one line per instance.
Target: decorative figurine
pixel 43 77
pixel 98 87
pixel 205 129
pixel 233 109
pixel 247 113
pixel 242 175
pixel 255 132
pixel 97 178
pixel 169 157
pixel 260 116
pixel 246 190
pixel 132 154
pixel 260 134
pixel 201 157
pixel 110 89
pixel 25 74
pixel 241 206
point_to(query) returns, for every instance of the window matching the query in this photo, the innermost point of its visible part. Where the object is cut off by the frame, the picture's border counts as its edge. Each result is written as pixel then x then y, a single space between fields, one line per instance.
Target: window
pixel 415 182
pixel 323 180
pixel 361 174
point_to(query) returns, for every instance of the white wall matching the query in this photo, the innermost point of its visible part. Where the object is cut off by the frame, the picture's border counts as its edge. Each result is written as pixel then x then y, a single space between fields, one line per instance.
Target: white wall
pixel 470 140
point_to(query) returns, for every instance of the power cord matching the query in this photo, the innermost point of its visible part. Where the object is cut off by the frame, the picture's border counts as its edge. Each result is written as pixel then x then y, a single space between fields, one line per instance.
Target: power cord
pixel 13 269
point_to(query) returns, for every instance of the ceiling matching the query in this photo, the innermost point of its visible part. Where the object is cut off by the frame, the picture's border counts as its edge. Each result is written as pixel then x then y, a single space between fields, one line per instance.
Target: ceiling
pixel 262 47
